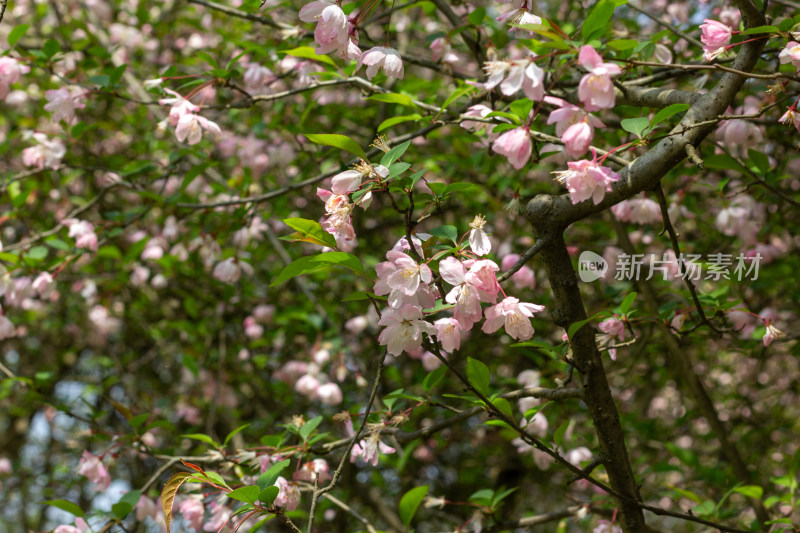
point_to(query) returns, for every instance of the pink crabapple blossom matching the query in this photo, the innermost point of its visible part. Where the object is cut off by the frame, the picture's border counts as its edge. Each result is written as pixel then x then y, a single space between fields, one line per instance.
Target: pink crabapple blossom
pixel 409 274
pixel 596 90
pixel 92 467
pixel 288 495
pixel 715 37
pixel 61 103
pixel 369 448
pixel 190 128
pixel 514 75
pixel 514 316
pixel 478 240
pixel 516 145
pixel 10 71
pixel 587 179
pixel 47 153
pixel 524 277
pixel 381 57
pixel 193 511
pixel 790 54
pixel 448 332
pixel 83 232
pixel 442 51
pixel 771 334
pixel 404 329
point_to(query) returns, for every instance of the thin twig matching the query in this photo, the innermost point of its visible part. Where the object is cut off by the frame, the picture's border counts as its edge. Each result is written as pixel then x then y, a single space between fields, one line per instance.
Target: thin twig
pixel 667 25
pixel 346 455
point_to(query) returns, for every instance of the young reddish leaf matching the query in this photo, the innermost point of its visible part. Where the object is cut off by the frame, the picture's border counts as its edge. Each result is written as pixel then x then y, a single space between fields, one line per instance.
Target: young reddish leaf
pixel 194 466
pixel 170 490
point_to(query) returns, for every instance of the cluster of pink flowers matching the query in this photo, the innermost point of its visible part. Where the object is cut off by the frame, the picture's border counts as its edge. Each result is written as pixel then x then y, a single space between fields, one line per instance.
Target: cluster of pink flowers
pixel 520 13
pixel 47 153
pixel 613 331
pixel 637 211
pixel 339 208
pixel 716 37
pixel 409 287
pixel 514 75
pixel 336 33
pixel 308 378
pixel 62 103
pixel 10 72
pixel 183 116
pixel 83 232
pixel 574 125
pixel 596 90
pixel 587 179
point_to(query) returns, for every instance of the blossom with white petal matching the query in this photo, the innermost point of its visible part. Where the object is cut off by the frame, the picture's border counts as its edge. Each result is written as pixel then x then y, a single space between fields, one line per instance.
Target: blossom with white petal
pixel 514 316
pixel 596 90
pixel 448 332
pixel 381 57
pixel 404 329
pixel 478 240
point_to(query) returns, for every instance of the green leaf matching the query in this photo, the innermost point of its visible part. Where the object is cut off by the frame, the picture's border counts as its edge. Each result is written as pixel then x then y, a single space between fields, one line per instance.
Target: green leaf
pixel 268 478
pixel 455 95
pixel 312 263
pixel 762 29
pixel 309 427
pixel 169 492
pixel 446 232
pixel 393 98
pixel 637 126
pixel 623 44
pixel 268 495
pixel 16 33
pixel 138 420
pixel 667 112
pixel 342 142
pixel 121 509
pixel 307 52
pixel 597 20
pixel 575 326
pixel 504 406
pixel 687 494
pixel 393 121
pixel 722 162
pixel 397 169
pixel 216 478
pixel 478 375
pixel 67 506
pixel 248 494
pixel 561 431
pixel 232 433
pixel 751 491
pixel 131 497
pixel 704 509
pixel 205 56
pixel 310 231
pixel 510 116
pixel 101 80
pixel 522 108
pixel 760 159
pixel 394 154
pixel 51 48
pixel 433 378
pixel 202 438
pixel 409 503
pixel 476 17
pixel 37 252
pixel 626 304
